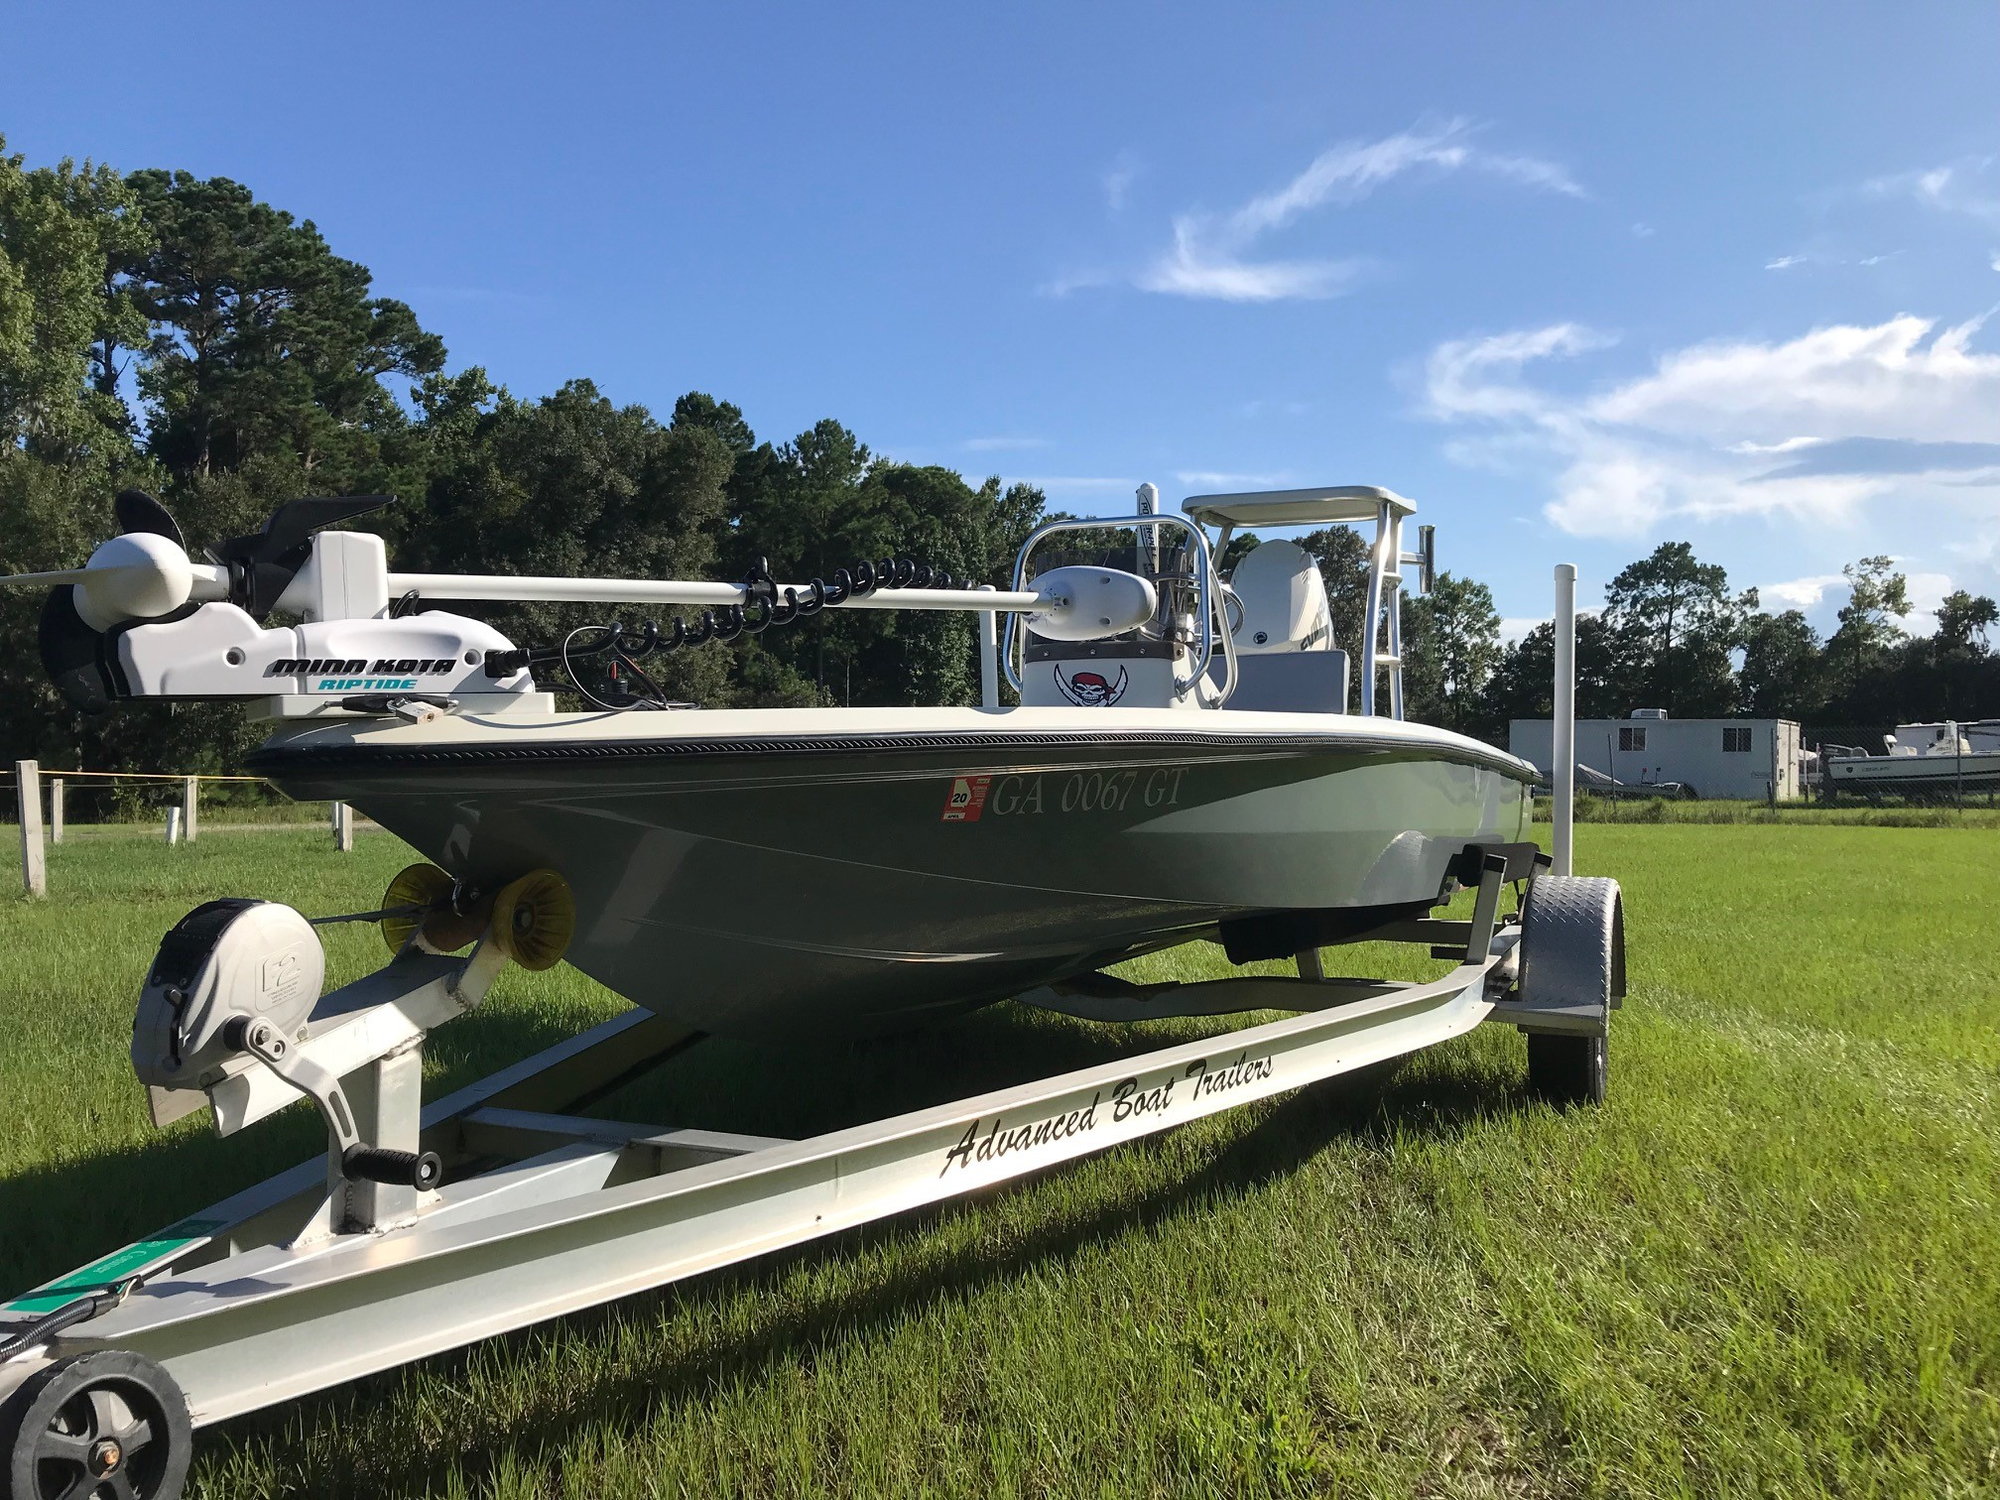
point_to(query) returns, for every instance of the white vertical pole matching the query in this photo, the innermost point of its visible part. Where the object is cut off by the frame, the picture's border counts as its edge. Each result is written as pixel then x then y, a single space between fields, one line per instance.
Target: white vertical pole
pixel 1149 536
pixel 28 791
pixel 58 809
pixel 343 828
pixel 989 654
pixel 173 825
pixel 1564 770
pixel 190 795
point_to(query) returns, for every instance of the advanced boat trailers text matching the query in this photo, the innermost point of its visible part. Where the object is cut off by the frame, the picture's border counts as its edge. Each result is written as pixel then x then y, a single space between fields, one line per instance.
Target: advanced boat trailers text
pixel 1130 1099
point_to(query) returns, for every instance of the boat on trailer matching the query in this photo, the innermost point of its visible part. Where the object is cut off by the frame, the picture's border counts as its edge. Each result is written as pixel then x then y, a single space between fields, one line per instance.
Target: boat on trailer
pixel 1180 762
pixel 1934 762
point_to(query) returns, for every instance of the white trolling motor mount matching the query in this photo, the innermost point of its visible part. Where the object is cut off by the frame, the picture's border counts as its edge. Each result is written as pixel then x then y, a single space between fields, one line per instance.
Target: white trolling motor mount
pixel 141 619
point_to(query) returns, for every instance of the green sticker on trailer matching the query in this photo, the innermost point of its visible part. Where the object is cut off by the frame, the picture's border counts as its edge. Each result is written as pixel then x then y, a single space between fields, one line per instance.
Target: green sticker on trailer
pixel 141 1255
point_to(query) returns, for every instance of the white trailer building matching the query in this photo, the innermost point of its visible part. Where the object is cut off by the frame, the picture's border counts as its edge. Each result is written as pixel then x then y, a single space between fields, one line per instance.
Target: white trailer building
pixel 1748 758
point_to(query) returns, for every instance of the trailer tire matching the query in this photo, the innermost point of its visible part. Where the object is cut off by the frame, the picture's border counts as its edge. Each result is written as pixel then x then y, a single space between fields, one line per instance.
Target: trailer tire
pixel 1567 1070
pixel 1572 975
pixel 107 1414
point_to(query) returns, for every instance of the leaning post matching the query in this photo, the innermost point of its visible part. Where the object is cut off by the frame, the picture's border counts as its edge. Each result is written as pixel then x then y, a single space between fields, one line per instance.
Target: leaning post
pixel 28 791
pixel 190 804
pixel 1563 773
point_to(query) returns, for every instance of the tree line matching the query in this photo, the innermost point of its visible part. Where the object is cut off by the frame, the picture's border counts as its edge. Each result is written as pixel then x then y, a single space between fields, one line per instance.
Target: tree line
pixel 177 334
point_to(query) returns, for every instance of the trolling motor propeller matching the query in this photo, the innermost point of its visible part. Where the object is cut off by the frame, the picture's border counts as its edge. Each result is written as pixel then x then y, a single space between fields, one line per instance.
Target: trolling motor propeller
pixel 144 574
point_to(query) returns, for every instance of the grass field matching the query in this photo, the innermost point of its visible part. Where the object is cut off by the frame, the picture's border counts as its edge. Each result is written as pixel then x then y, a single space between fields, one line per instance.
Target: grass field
pixel 1770 1266
pixel 1977 813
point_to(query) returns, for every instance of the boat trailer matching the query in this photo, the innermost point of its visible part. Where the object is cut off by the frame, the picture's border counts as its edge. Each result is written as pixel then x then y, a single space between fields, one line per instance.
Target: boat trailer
pixel 428 1227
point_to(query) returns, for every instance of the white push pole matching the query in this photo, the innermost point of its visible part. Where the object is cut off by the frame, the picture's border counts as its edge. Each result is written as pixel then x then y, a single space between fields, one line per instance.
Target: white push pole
pixel 28 792
pixel 343 828
pixel 1563 772
pixel 173 826
pixel 989 655
pixel 1149 536
pixel 190 792
pixel 58 809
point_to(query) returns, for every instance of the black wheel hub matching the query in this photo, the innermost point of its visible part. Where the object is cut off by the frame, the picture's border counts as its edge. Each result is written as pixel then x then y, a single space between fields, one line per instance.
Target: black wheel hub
pixel 106 1454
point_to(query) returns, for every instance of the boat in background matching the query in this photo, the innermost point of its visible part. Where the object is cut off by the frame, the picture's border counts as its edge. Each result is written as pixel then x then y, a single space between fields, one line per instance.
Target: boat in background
pixel 1934 762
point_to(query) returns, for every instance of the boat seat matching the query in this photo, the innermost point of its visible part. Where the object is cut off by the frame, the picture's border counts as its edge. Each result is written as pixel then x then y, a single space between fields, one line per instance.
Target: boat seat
pixel 1308 682
pixel 1284 600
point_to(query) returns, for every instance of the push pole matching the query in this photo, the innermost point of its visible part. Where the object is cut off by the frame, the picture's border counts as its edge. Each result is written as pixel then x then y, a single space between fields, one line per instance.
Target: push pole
pixel 1564 770
pixel 28 791
pixel 989 654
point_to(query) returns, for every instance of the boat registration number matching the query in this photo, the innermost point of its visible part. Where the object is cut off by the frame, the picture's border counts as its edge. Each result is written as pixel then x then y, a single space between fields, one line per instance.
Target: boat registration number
pixel 972 797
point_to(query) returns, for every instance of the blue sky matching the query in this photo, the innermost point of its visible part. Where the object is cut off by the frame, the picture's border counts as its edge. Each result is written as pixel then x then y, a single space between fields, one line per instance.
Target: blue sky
pixel 1576 278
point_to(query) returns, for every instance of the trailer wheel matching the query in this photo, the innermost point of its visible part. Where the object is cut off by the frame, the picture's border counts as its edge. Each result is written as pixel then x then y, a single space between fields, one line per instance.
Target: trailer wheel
pixel 102 1424
pixel 1572 976
pixel 1567 1070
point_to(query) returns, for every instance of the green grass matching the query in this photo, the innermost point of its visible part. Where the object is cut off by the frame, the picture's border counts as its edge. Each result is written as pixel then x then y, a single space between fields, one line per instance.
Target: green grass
pixel 1977 813
pixel 1770 1266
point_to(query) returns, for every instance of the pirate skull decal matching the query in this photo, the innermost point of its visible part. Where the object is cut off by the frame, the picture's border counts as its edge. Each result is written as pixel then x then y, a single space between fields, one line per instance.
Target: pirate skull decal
pixel 1091 689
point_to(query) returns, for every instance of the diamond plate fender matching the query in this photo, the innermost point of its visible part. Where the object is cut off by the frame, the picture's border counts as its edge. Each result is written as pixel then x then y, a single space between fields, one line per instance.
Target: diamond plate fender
pixel 1572 956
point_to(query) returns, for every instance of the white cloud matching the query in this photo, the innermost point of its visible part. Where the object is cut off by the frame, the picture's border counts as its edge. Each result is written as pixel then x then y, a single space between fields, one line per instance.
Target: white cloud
pixel 1965 186
pixel 1643 231
pixel 1785 263
pixel 1811 426
pixel 1995 261
pixel 1194 269
pixel 1118 182
pixel 1799 593
pixel 1926 591
pixel 1514 627
pixel 1211 254
pixel 1213 479
pixel 1054 482
pixel 1002 444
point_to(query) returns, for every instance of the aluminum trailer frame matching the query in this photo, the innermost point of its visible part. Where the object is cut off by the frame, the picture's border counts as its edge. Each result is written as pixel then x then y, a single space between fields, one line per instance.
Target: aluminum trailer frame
pixel 312 1278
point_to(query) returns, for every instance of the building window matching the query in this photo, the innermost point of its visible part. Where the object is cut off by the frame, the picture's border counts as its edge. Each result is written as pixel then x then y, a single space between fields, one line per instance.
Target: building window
pixel 1631 739
pixel 1736 739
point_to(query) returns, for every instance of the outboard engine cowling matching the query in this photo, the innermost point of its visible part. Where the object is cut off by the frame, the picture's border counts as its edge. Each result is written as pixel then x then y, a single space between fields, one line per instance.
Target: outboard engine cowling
pixel 225 961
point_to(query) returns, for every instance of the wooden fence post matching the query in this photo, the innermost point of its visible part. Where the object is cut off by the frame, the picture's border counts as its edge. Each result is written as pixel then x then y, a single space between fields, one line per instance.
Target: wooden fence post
pixel 28 791
pixel 58 809
pixel 343 828
pixel 173 826
pixel 190 793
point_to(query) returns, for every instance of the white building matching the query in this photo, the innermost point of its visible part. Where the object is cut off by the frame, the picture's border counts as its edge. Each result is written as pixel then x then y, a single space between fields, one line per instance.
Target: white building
pixel 1747 758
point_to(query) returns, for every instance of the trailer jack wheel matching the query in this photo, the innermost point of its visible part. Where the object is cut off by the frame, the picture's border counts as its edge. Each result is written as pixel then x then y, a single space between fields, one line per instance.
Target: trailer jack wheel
pixel 1567 1070
pixel 100 1425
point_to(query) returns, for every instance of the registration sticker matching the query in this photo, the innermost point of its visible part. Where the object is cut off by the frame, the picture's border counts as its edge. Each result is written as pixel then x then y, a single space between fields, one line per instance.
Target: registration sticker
pixel 115 1267
pixel 967 799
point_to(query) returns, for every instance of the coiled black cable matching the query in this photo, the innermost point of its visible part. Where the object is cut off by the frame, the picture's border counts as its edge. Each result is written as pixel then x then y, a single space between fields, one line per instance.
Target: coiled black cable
pixel 764 604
